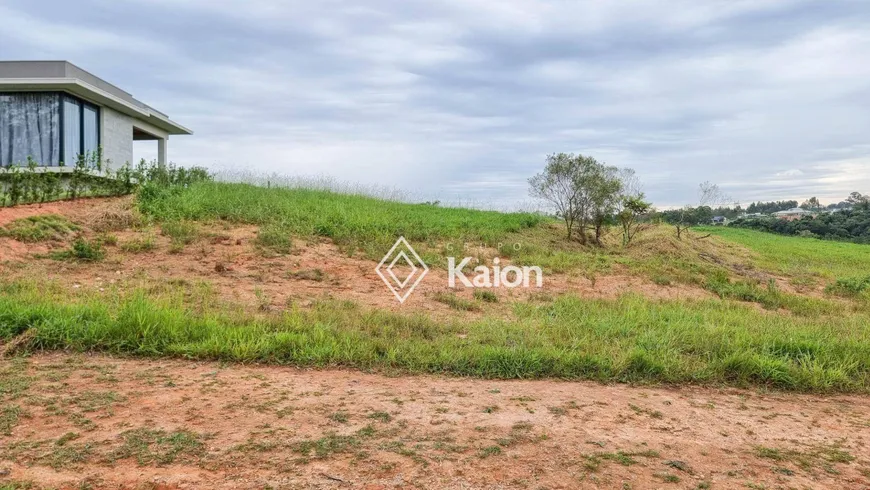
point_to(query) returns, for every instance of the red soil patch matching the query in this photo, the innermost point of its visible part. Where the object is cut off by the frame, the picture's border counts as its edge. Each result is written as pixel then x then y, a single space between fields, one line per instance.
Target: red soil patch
pixel 290 428
pixel 74 210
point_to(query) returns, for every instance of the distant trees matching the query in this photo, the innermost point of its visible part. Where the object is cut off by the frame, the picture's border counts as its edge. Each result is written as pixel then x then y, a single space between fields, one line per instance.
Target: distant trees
pixel 586 194
pixel 858 201
pixel 688 216
pixel 848 220
pixel 851 225
pixel 812 204
pixel 770 207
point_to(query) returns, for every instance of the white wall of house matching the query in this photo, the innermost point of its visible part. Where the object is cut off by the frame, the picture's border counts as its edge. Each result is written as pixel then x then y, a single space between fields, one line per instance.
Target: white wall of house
pixel 116 137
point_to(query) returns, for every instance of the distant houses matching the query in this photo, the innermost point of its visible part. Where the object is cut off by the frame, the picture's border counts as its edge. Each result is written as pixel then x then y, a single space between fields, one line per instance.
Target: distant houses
pixel 794 214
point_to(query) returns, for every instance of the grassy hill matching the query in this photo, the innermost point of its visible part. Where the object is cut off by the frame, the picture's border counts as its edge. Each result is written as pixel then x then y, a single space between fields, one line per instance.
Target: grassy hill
pixel 800 257
pixel 355 222
pixel 759 316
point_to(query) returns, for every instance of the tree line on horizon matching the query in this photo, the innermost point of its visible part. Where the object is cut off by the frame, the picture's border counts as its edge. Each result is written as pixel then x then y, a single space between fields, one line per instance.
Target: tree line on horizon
pixel 590 196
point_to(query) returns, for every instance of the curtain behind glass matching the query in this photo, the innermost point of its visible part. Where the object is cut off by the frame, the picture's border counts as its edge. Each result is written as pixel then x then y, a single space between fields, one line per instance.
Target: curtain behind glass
pixel 91 132
pixel 72 127
pixel 29 126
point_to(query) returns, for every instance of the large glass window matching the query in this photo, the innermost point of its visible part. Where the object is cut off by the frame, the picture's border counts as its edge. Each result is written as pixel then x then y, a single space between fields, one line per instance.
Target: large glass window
pixel 48 127
pixel 81 131
pixel 90 131
pixel 29 127
pixel 72 132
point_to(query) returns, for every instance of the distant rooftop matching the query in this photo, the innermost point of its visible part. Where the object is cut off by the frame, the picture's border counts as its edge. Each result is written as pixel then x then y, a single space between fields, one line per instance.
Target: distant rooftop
pixel 63 75
pixel 794 211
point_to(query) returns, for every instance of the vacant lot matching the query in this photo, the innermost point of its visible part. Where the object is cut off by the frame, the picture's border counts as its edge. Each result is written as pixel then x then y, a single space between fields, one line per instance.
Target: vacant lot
pixel 727 345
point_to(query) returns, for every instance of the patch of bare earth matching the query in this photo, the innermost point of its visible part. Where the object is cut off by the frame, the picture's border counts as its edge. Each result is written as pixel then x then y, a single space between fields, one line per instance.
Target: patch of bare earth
pixel 226 258
pixel 126 423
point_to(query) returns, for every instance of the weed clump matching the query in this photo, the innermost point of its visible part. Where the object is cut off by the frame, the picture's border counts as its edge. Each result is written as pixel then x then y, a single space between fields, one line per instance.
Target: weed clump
pixel 42 228
pixel 853 286
pixel 82 250
pixel 456 302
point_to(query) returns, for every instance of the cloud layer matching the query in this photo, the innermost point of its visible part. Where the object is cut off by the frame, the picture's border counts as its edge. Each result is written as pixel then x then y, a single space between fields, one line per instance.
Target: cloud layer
pixel 462 99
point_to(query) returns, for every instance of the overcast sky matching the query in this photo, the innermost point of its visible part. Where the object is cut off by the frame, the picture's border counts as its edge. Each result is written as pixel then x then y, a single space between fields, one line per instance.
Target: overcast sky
pixel 463 99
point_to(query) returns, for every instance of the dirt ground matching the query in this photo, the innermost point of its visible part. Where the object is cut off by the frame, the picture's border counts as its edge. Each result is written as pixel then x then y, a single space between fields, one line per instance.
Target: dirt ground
pixel 100 422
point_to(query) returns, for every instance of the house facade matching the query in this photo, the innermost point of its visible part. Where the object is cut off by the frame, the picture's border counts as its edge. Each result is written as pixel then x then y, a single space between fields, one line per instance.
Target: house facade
pixel 53 112
pixel 793 214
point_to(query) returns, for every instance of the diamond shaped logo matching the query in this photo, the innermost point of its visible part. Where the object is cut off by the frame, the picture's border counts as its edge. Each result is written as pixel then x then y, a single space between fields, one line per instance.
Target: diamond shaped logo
pixel 402 258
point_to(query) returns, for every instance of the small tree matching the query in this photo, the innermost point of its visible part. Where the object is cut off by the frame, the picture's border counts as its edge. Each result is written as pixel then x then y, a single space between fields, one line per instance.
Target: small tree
pixel 633 207
pixel 688 216
pixel 557 184
pixel 605 194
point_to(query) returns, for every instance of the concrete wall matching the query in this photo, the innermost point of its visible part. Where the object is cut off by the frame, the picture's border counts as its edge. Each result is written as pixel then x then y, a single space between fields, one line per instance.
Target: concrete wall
pixel 116 137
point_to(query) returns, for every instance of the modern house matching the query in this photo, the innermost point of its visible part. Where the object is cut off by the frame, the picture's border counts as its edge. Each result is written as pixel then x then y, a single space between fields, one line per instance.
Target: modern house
pixel 793 214
pixel 53 111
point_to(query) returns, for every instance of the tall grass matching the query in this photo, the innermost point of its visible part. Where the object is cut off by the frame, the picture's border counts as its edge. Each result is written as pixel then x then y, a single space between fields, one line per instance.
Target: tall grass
pixel 630 339
pixel 354 222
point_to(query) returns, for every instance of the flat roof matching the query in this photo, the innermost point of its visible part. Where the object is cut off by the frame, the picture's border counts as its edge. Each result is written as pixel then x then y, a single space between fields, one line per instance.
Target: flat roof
pixel 39 76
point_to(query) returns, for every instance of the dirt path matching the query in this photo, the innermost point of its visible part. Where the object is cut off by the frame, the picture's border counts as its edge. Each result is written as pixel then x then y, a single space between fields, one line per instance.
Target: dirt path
pixel 74 420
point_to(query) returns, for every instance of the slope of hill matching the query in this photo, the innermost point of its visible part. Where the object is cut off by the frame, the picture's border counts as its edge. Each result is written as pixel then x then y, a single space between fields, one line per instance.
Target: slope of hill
pixel 229 271
pixel 126 327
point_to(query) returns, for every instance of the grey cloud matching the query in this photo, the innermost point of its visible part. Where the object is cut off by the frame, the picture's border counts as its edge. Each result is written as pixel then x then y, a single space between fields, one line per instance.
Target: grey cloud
pixel 461 100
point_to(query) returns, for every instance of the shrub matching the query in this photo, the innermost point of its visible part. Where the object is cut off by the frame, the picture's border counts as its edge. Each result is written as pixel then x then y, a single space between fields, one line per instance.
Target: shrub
pixel 852 286
pixel 81 250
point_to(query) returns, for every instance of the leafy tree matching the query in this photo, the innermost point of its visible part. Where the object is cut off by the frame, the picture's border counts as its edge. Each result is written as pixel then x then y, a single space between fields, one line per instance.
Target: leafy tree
pixel 584 192
pixel 558 185
pixel 605 194
pixel 859 201
pixel 812 204
pixel 633 207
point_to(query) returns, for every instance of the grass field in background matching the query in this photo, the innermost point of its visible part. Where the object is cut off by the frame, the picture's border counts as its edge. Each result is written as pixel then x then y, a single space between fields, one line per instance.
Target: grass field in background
pixel 796 256
pixel 629 339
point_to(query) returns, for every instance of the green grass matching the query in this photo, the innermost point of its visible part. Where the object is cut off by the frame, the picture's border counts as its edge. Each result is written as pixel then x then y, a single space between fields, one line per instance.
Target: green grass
pixel 355 223
pixel 456 302
pixel 276 238
pixel 630 339
pixel 82 250
pixel 142 244
pixel 9 416
pixel 180 232
pixel 158 447
pixel 851 287
pixel 796 256
pixel 42 228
